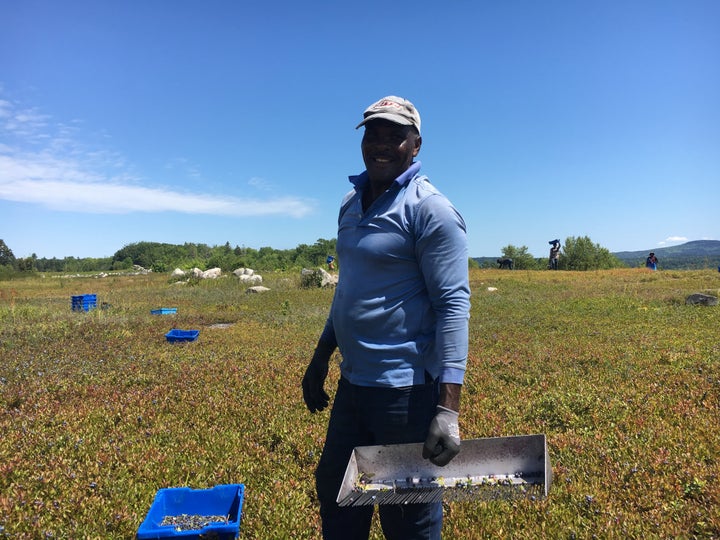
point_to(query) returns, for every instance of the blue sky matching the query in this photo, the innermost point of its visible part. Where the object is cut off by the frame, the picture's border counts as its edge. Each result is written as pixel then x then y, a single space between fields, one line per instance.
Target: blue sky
pixel 229 121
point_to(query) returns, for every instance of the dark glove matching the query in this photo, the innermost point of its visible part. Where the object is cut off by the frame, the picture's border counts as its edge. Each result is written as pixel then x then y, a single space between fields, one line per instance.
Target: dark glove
pixel 443 440
pixel 314 394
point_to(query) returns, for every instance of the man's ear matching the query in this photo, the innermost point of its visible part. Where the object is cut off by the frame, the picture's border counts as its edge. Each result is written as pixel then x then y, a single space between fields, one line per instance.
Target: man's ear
pixel 418 144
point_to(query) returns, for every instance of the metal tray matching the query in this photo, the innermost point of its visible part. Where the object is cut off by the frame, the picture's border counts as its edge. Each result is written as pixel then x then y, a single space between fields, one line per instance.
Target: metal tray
pixel 486 469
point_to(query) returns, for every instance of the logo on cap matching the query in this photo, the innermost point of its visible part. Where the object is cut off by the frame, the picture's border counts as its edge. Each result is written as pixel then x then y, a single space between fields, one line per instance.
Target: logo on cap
pixel 387 103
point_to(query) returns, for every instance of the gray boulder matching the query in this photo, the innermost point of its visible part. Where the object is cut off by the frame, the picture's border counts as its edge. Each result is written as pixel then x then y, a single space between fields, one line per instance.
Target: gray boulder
pixel 254 279
pixel 699 299
pixel 256 289
pixel 212 273
pixel 317 278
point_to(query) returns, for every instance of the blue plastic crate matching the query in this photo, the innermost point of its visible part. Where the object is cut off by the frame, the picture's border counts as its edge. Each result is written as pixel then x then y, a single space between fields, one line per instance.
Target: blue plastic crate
pixel 222 500
pixel 176 335
pixel 83 302
pixel 164 311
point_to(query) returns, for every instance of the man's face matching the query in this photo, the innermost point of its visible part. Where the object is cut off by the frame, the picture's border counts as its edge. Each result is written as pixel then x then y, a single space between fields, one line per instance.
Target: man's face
pixel 388 149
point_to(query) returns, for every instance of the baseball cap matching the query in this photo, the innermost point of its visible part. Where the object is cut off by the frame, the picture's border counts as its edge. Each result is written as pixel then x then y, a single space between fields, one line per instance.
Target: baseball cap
pixel 395 109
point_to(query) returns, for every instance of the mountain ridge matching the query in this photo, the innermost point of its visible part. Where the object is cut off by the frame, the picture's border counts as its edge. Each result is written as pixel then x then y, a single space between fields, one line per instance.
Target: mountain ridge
pixel 694 248
pixel 692 255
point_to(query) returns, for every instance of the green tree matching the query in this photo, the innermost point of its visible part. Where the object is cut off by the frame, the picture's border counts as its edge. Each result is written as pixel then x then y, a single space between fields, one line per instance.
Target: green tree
pixel 313 256
pixel 225 259
pixel 27 264
pixel 522 260
pixel 125 264
pixel 6 255
pixel 582 254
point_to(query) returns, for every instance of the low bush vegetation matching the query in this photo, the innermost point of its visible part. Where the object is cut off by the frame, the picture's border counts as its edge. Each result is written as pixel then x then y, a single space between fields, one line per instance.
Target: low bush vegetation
pixel 98 411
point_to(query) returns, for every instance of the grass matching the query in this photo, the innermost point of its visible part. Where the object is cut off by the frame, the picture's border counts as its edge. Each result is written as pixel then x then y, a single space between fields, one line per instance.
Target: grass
pixel 98 411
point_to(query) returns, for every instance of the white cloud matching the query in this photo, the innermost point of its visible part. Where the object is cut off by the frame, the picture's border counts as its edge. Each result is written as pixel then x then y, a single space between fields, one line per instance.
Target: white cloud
pixel 45 165
pixel 672 240
pixel 112 198
pixel 60 184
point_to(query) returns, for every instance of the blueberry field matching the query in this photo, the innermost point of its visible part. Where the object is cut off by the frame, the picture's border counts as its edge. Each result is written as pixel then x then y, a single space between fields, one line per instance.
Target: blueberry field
pixel 98 410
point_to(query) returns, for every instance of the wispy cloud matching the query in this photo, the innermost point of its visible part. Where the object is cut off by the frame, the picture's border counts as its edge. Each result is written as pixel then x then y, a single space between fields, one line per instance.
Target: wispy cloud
pixel 5 108
pixel 113 198
pixel 21 123
pixel 261 184
pixel 42 163
pixel 185 167
pixel 672 240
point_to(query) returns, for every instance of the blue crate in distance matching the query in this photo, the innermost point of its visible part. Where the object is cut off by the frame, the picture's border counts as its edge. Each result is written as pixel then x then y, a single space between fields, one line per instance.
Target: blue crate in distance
pixel 164 311
pixel 83 302
pixel 222 500
pixel 176 335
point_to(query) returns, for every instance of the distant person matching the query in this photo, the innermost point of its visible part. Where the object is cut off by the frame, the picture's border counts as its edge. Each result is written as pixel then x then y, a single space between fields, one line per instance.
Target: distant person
pixel 400 320
pixel 506 263
pixel 331 262
pixel 554 254
pixel 651 262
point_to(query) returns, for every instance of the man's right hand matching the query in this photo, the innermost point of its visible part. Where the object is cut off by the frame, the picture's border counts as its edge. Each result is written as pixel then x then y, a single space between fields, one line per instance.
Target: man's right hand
pixel 313 382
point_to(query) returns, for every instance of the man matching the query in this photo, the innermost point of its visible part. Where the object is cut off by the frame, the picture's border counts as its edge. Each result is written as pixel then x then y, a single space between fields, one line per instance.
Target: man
pixel 651 262
pixel 554 254
pixel 400 320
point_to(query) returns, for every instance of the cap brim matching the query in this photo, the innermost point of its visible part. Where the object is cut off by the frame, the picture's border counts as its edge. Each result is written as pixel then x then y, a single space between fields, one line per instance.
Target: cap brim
pixel 397 119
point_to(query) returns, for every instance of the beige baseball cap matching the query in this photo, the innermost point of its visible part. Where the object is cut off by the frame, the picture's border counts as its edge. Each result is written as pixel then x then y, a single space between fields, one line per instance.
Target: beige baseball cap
pixel 395 109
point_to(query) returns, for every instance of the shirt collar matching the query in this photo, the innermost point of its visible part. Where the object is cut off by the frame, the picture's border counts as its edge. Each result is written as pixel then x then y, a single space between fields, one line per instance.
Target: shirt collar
pixel 361 180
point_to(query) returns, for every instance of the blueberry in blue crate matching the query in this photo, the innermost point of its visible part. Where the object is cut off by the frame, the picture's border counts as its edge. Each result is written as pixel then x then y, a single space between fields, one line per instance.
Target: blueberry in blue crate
pixel 187 513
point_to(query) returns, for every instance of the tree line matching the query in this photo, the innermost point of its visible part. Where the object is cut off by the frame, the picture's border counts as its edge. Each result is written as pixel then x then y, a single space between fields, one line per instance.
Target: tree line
pixel 578 253
pixel 162 257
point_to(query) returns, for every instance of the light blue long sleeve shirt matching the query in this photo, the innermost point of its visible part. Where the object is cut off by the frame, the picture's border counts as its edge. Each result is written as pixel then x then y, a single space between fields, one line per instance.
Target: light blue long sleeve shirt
pixel 402 302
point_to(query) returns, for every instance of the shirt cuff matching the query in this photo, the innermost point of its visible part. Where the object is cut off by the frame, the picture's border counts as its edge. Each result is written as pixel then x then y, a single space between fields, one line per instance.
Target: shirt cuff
pixel 452 375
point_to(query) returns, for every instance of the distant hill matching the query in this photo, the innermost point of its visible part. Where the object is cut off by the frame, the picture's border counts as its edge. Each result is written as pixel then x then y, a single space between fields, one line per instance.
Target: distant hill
pixel 691 255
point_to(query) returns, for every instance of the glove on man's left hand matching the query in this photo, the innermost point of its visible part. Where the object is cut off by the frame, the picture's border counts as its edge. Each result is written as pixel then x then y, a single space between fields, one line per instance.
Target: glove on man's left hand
pixel 443 440
pixel 316 399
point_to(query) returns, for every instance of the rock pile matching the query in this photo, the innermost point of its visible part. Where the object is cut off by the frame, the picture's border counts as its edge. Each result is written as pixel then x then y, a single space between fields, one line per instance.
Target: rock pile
pixel 246 276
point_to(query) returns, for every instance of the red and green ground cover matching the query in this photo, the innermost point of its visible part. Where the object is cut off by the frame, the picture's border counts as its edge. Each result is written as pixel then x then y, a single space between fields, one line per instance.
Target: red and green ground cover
pixel 98 411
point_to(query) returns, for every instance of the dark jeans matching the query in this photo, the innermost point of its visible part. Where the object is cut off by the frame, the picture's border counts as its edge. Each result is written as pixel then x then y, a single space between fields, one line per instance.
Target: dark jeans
pixel 363 416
